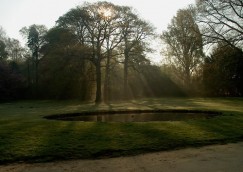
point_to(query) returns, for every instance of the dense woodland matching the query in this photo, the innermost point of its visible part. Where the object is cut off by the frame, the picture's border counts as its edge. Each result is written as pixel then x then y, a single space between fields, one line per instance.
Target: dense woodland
pixel 98 52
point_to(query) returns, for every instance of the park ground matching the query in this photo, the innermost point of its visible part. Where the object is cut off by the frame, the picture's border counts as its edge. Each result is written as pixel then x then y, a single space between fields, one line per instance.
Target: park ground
pixel 223 158
pixel 26 137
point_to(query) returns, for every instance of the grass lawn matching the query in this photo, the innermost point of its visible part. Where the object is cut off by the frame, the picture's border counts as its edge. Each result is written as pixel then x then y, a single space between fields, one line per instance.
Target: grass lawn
pixel 26 136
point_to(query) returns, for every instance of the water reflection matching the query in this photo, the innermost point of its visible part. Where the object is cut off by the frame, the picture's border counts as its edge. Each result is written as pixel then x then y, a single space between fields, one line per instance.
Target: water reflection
pixel 139 117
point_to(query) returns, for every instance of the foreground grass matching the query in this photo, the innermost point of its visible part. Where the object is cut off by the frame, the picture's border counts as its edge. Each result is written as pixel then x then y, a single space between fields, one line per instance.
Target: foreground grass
pixel 26 136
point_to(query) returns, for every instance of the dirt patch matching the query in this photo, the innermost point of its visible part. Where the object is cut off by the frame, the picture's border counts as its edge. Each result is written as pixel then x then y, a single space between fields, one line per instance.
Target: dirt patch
pixel 224 158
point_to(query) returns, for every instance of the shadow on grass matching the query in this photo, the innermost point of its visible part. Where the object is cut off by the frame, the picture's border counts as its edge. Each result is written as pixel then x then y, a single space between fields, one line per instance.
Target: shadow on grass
pixel 52 141
pixel 42 140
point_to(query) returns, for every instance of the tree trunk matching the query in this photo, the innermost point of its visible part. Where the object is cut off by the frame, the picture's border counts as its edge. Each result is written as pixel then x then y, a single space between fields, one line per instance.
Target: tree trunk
pixel 36 74
pixel 188 78
pixel 28 73
pixel 98 99
pixel 125 93
pixel 107 80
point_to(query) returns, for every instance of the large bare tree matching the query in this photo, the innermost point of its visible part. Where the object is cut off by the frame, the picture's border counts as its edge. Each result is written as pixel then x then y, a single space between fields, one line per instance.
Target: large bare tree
pixel 109 31
pixel 135 32
pixel 221 21
pixel 95 25
pixel 183 42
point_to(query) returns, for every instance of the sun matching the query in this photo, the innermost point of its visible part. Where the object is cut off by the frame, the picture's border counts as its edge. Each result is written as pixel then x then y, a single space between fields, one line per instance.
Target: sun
pixel 105 13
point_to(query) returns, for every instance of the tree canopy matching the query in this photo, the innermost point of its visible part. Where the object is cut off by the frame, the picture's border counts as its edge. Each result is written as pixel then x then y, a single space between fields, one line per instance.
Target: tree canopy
pixel 110 31
pixel 184 47
pixel 221 21
pixel 99 51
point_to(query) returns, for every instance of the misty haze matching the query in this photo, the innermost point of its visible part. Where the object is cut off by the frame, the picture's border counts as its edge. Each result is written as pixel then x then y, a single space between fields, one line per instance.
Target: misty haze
pixel 111 69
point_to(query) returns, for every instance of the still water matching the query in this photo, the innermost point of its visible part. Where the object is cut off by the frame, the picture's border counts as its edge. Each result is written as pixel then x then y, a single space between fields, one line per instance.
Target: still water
pixel 139 117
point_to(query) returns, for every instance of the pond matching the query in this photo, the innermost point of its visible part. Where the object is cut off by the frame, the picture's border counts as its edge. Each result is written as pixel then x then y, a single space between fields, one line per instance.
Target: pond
pixel 135 116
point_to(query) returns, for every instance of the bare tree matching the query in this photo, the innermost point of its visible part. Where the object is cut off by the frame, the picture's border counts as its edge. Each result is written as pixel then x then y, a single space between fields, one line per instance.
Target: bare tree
pixel 2 34
pixel 135 33
pixel 221 21
pixel 112 41
pixel 3 38
pixel 184 47
pixel 3 52
pixel 93 25
pixel 15 50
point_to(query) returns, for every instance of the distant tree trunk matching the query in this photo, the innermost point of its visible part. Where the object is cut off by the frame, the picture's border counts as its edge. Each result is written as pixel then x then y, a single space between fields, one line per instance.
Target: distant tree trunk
pixel 36 73
pixel 28 73
pixel 125 93
pixel 98 99
pixel 107 79
pixel 188 77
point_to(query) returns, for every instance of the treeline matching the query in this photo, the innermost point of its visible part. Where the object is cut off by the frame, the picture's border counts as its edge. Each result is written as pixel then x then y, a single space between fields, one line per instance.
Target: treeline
pixel 203 48
pixel 98 51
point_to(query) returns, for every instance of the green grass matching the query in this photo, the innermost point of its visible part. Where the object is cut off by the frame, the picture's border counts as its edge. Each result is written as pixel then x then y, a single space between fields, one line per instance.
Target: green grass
pixel 26 136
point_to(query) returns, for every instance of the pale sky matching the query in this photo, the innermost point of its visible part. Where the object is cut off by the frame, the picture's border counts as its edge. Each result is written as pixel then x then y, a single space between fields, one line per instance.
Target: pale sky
pixel 15 14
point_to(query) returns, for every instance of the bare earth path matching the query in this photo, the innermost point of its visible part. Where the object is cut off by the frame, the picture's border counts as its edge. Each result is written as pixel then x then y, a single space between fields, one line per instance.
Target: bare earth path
pixel 216 158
